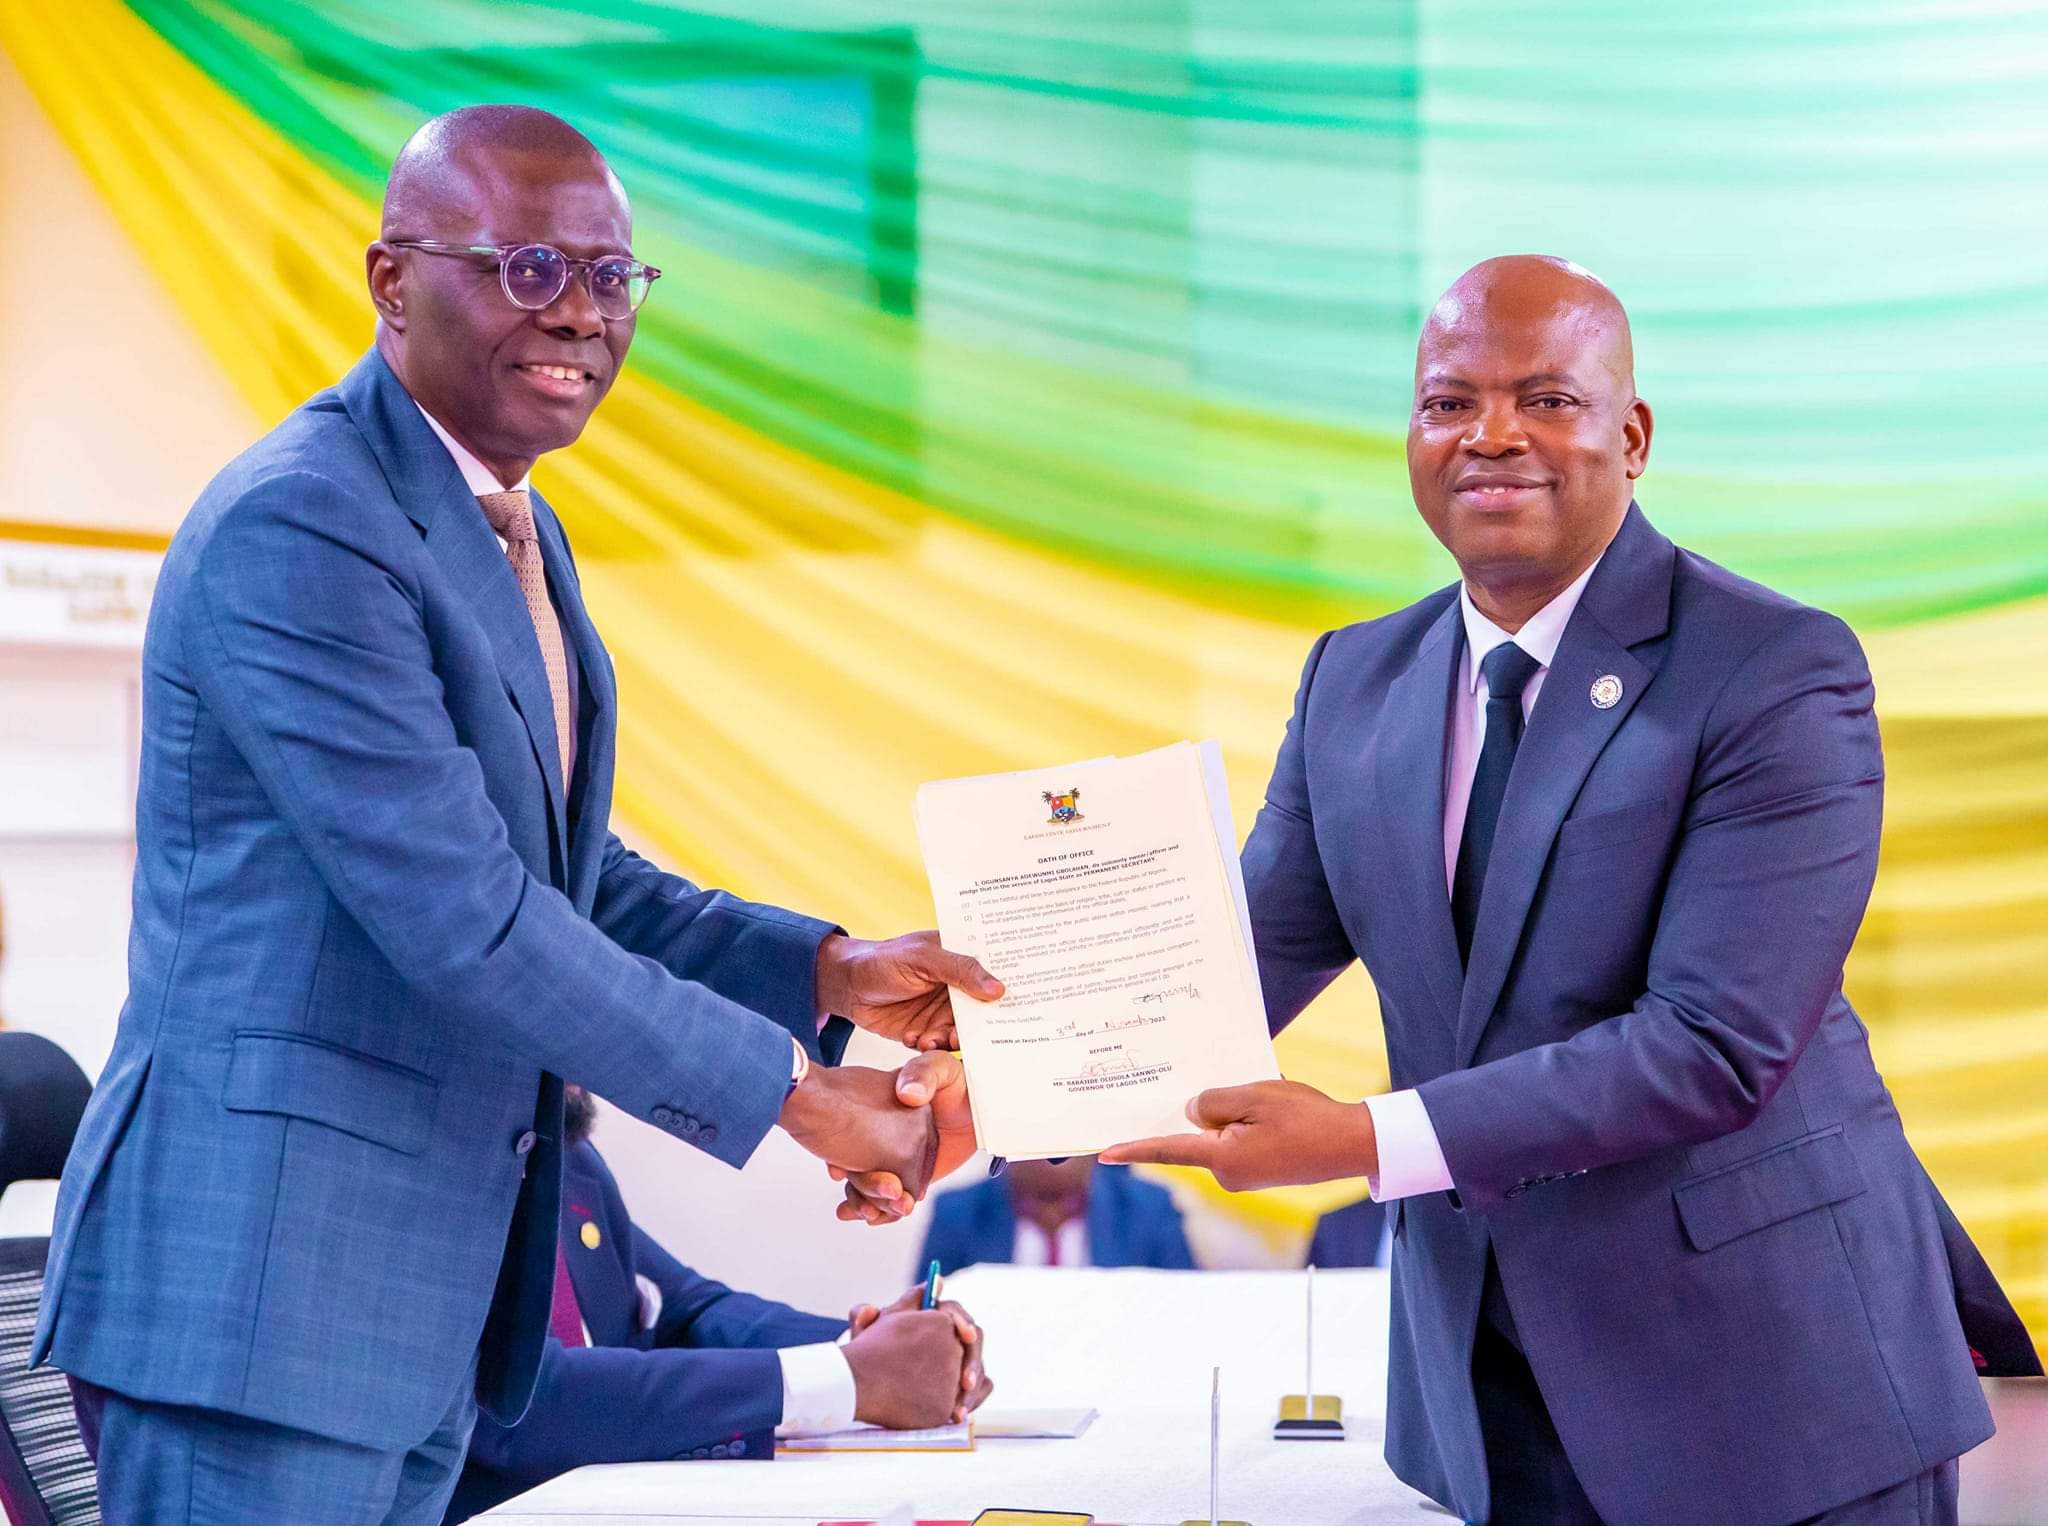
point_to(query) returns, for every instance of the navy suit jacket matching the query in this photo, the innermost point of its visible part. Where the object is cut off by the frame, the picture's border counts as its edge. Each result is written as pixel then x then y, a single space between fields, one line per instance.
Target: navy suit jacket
pixel 1131 1222
pixel 1349 1236
pixel 704 1381
pixel 372 927
pixel 1735 1284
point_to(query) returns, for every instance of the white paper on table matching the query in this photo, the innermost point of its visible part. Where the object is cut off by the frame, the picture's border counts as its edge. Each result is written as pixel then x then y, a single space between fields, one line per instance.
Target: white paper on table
pixel 958 1437
pixel 1107 897
pixel 1033 1424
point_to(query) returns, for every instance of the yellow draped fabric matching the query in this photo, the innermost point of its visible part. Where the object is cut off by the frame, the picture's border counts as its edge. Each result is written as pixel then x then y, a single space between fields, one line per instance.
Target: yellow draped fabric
pixel 798 648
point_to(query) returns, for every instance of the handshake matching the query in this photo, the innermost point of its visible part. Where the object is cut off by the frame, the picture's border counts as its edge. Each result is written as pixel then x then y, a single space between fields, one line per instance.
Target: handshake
pixel 890 1134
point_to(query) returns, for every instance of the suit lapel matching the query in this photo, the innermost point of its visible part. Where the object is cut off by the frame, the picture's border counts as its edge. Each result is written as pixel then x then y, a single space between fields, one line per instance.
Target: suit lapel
pixel 428 485
pixel 596 725
pixel 468 552
pixel 608 1302
pixel 1411 787
pixel 1626 602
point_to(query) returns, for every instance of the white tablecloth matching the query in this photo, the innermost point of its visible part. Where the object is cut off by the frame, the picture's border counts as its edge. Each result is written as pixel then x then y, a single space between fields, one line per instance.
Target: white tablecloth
pixel 1138 1346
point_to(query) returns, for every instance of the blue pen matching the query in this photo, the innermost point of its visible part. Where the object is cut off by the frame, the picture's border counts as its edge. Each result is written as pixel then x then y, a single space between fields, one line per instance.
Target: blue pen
pixel 931 1288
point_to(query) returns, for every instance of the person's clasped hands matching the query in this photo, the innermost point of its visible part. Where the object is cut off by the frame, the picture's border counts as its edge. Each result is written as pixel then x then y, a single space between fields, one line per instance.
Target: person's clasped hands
pixel 915 1367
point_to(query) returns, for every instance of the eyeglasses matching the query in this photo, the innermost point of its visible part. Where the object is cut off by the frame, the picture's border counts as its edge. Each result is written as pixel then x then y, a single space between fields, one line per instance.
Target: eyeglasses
pixel 535 275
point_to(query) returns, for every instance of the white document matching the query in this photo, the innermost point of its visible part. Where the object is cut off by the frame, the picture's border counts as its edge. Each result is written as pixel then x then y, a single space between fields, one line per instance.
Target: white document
pixel 1108 899
pixel 875 1438
pixel 1033 1424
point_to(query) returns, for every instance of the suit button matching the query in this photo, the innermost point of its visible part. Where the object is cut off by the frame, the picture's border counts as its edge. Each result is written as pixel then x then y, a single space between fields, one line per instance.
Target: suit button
pixel 663 1116
pixel 707 1134
pixel 719 1452
pixel 689 1124
pixel 700 1454
pixel 738 1449
pixel 525 1142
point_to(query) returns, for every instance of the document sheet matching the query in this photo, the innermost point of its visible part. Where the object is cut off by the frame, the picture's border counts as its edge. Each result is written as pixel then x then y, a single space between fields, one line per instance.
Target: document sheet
pixel 1033 1424
pixel 875 1438
pixel 1107 897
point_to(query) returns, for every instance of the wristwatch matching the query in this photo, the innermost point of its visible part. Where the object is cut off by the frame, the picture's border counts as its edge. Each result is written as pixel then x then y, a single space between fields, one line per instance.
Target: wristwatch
pixel 800 1066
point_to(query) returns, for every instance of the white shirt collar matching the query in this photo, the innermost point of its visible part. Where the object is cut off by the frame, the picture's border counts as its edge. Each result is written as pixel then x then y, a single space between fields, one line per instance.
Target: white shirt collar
pixel 1539 634
pixel 481 478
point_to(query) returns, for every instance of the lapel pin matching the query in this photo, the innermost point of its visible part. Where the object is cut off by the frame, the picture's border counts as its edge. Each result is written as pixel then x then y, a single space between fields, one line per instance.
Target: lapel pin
pixel 592 1236
pixel 1606 692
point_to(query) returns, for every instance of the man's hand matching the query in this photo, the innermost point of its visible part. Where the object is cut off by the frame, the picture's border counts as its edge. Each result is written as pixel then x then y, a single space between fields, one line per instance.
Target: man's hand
pixel 1267 1134
pixel 848 1116
pixel 898 988
pixel 975 1385
pixel 936 1078
pixel 907 1370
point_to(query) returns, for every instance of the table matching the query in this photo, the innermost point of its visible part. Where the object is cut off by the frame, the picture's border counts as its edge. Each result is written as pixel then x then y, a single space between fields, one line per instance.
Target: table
pixel 2005 1481
pixel 1139 1346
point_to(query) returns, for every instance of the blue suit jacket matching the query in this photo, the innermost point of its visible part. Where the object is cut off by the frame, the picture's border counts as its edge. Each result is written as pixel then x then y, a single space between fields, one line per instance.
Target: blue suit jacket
pixel 1727 1267
pixel 1131 1222
pixel 703 1382
pixel 319 1175
pixel 1349 1236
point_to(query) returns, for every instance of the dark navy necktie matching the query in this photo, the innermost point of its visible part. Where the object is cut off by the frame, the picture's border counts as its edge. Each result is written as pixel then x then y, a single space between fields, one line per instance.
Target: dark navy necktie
pixel 1508 670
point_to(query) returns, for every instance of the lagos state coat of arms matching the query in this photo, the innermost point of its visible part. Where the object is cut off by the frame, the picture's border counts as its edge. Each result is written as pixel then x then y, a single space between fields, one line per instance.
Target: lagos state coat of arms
pixel 1065 808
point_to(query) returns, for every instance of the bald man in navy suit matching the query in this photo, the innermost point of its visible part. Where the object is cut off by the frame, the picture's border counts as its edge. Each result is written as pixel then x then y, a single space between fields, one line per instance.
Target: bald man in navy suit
pixel 1601 819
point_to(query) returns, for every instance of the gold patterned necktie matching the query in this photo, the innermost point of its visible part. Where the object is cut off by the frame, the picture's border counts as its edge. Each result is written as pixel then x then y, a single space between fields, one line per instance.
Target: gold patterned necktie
pixel 511 515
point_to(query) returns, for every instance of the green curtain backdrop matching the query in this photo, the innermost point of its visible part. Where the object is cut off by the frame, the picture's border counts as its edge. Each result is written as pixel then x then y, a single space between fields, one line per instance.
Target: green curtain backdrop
pixel 1029 376
pixel 1827 221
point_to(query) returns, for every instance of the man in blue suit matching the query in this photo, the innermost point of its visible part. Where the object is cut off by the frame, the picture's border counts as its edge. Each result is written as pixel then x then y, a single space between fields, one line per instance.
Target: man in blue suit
pixel 309 1223
pixel 1065 1213
pixel 1358 1234
pixel 1601 820
pixel 647 1360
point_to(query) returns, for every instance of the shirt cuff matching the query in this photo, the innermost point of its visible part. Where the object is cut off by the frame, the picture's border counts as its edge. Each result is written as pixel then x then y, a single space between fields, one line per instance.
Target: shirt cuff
pixel 817 1390
pixel 1411 1159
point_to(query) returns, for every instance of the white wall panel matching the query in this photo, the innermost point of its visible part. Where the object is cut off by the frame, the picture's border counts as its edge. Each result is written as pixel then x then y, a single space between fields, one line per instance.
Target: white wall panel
pixel 67 842
pixel 65 764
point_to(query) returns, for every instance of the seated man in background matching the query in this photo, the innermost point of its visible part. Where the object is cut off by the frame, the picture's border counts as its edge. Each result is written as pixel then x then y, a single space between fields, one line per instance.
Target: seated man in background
pixel 1069 1213
pixel 647 1361
pixel 1358 1234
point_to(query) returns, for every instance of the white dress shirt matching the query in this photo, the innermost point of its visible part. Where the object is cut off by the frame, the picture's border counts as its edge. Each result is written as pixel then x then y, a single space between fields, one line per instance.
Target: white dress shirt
pixel 817 1390
pixel 1032 1248
pixel 817 1384
pixel 1411 1158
